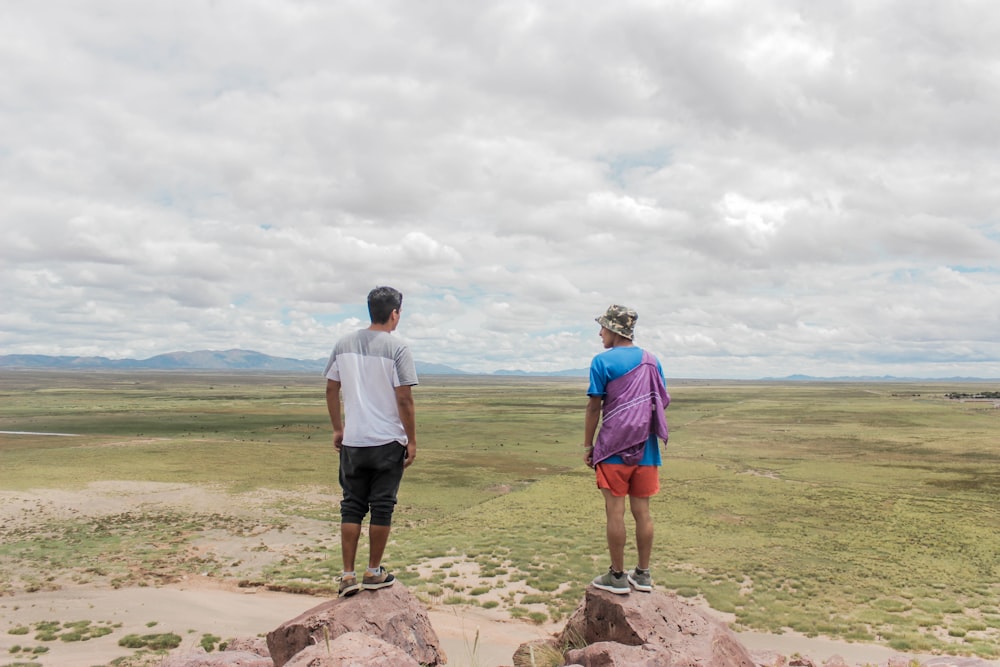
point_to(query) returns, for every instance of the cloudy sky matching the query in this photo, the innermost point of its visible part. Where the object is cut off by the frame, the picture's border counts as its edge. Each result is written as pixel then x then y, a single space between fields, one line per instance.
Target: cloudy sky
pixel 776 187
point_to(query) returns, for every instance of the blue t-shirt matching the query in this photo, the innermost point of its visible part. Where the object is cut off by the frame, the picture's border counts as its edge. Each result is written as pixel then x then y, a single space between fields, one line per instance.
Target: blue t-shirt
pixel 610 365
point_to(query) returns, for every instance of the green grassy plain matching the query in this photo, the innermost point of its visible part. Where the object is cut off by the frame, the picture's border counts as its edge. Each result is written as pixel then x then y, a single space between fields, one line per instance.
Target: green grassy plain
pixel 865 512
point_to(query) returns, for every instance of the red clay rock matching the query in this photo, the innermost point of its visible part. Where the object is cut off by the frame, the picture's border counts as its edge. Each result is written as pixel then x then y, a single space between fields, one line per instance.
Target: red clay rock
pixel 256 645
pixel 663 620
pixel 953 661
pixel 767 658
pixel 613 654
pixel 532 653
pixel 391 614
pixel 199 658
pixel 353 649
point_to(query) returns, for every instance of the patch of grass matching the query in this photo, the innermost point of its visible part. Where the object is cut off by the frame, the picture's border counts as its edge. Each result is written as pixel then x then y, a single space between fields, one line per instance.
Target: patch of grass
pixel 139 548
pixel 910 642
pixel 892 605
pixel 532 598
pixel 983 648
pixel 155 642
pixel 518 612
pixel 71 631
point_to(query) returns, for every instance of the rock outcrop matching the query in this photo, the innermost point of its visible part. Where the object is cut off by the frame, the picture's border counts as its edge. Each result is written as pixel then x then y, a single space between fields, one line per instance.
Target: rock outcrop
pixel 199 658
pixel 609 630
pixel 392 615
pixel 352 649
pixel 256 645
pixel 391 628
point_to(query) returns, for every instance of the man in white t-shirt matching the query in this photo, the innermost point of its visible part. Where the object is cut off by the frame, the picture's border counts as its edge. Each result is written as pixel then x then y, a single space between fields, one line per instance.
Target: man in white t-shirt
pixel 372 372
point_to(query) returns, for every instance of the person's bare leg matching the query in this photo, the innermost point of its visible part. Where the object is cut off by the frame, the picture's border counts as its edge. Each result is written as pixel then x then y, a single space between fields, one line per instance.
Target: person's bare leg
pixel 614 510
pixel 350 533
pixel 643 530
pixel 378 536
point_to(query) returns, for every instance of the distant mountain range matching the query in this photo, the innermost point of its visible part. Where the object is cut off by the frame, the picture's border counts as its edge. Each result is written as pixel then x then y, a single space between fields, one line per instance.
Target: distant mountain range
pixel 248 360
pixel 872 378
pixel 245 360
pixel 569 372
pixel 199 360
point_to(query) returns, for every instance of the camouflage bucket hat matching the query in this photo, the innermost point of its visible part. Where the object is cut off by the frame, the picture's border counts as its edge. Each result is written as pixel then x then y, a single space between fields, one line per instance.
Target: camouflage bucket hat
pixel 620 320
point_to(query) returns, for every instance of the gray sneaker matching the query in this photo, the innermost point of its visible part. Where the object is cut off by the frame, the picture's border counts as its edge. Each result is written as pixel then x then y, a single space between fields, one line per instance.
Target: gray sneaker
pixel 640 580
pixel 612 582
pixel 380 580
pixel 349 585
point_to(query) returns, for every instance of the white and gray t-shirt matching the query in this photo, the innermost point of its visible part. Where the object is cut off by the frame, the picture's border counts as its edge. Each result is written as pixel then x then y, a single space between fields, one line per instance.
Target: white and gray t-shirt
pixel 369 366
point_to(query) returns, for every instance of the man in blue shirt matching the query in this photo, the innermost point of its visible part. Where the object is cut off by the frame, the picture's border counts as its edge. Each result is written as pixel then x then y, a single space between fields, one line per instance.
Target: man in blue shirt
pixel 627 396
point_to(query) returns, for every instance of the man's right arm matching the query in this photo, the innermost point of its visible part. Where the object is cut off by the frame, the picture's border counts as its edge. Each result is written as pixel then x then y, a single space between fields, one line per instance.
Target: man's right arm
pixel 333 407
pixel 593 417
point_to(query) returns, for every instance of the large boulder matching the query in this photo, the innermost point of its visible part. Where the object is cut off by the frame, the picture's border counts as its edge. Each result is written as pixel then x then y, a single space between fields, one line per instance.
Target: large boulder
pixel 352 649
pixel 767 658
pixel 200 658
pixel 673 632
pixel 955 661
pixel 391 614
pixel 608 654
pixel 256 645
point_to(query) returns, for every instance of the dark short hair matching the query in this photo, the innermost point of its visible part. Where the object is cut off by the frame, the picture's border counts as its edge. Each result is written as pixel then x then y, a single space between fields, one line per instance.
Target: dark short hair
pixel 381 302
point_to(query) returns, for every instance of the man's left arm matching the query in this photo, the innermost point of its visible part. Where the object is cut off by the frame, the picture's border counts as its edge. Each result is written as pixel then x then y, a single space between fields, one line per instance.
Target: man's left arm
pixel 407 415
pixel 663 385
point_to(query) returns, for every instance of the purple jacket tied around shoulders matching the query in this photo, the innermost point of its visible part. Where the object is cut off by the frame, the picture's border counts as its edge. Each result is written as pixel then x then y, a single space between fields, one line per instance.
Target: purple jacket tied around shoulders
pixel 633 409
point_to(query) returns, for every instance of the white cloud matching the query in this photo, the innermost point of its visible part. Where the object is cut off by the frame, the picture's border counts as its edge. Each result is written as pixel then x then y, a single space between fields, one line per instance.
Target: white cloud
pixel 776 188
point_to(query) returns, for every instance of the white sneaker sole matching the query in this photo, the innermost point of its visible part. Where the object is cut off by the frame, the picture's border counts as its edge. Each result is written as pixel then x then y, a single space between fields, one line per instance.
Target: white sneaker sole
pixel 639 587
pixel 612 589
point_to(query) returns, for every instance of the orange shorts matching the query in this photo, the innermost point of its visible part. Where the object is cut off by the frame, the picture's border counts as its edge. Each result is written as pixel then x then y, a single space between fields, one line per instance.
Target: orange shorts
pixel 623 480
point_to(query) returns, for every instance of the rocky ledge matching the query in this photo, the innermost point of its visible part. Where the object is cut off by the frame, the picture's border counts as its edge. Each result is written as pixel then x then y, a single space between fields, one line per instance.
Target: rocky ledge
pixel 391 628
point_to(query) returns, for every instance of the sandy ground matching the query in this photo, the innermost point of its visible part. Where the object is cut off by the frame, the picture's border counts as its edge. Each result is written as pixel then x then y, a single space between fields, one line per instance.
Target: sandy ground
pixel 197 605
pixel 194 608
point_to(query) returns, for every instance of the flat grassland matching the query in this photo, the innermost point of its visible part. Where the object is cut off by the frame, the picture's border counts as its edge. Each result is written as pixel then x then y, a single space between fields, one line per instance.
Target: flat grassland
pixel 865 512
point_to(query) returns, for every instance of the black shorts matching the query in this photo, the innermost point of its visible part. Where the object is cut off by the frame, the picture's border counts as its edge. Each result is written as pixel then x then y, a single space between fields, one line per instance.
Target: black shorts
pixel 369 479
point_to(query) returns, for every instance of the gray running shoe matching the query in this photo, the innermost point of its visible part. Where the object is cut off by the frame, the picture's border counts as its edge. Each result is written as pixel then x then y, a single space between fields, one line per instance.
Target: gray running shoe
pixel 612 582
pixel 349 585
pixel 640 580
pixel 380 580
